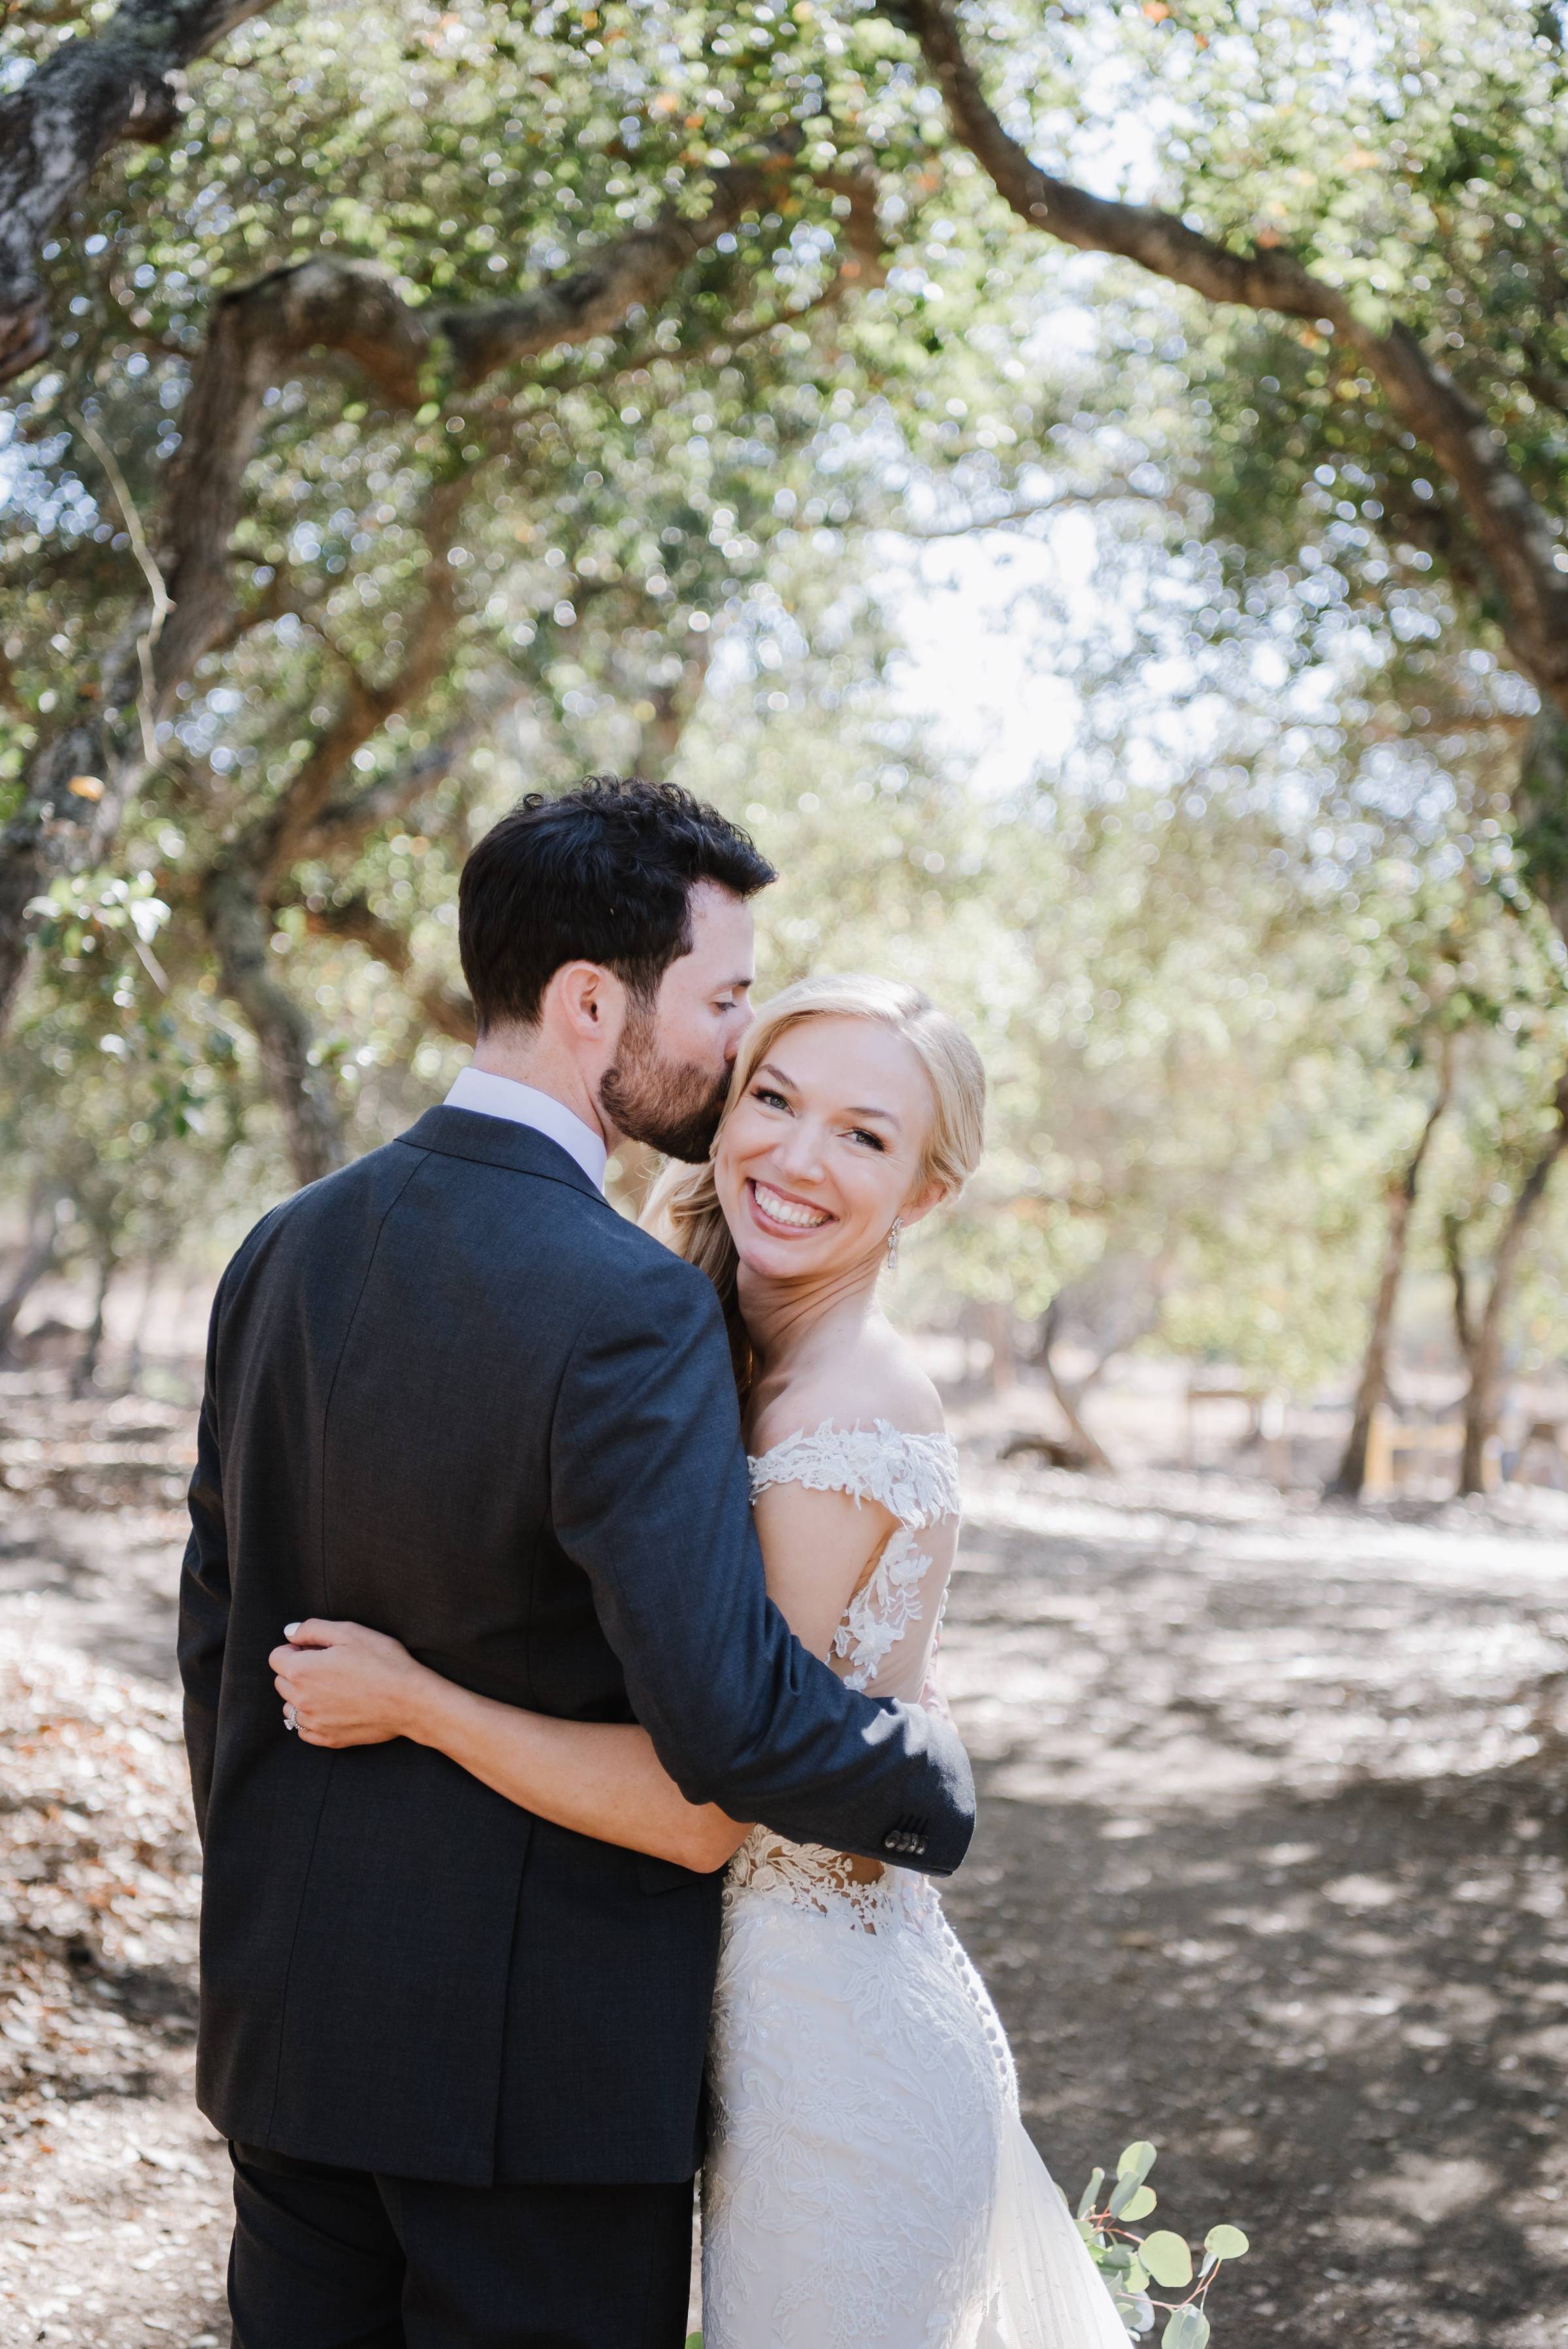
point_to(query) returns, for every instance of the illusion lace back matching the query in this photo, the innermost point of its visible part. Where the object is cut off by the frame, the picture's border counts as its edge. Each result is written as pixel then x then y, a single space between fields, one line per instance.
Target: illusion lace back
pixel 868 2179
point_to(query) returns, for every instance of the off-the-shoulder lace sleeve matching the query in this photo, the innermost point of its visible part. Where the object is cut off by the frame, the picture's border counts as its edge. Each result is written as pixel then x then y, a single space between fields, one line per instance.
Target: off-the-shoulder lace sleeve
pixel 914 1477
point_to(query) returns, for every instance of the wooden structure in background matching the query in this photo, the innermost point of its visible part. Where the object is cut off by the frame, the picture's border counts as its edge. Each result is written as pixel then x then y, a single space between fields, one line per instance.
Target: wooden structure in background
pixel 1393 1443
pixel 1265 1424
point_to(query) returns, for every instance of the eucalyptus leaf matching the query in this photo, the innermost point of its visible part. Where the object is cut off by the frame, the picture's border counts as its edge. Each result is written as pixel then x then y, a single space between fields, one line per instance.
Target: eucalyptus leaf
pixel 1227 2244
pixel 1188 2329
pixel 1142 2199
pixel 1167 2258
pixel 1137 2160
pixel 1086 2199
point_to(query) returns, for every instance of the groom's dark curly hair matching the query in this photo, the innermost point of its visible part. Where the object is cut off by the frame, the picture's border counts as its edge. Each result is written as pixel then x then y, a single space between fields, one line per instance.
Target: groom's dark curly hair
pixel 603 873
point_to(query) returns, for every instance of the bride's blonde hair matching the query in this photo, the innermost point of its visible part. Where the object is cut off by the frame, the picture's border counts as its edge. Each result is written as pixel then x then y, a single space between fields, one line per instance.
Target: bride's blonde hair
pixel 682 1207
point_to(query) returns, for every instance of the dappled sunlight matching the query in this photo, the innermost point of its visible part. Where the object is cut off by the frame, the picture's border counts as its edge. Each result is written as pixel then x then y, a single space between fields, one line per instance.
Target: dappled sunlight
pixel 1271 1869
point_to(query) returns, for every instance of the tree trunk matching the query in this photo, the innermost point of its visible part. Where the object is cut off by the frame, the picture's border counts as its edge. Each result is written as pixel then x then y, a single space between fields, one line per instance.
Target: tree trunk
pixel 1068 1399
pixel 998 1320
pixel 1484 1401
pixel 1458 1280
pixel 136 1361
pixel 672 704
pixel 1372 1391
pixel 302 1095
pixel 43 1240
pixel 1541 806
pixel 85 1374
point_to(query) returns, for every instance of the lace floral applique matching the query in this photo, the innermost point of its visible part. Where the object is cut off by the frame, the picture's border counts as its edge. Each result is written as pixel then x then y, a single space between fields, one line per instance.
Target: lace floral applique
pixel 882 1610
pixel 808 1877
pixel 916 1477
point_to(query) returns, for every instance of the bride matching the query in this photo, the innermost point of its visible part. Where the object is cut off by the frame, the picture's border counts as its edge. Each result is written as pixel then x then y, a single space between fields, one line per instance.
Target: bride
pixel 868 2180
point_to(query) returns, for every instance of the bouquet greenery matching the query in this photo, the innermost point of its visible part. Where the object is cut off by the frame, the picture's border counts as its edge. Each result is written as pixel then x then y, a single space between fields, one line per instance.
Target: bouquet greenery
pixel 1130 2263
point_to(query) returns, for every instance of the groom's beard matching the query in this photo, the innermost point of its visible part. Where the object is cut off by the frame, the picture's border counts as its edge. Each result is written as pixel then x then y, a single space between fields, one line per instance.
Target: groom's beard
pixel 672 1106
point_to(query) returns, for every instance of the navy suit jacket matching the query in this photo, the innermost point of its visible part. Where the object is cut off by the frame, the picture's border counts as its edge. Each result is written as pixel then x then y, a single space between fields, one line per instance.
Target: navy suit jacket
pixel 451 1393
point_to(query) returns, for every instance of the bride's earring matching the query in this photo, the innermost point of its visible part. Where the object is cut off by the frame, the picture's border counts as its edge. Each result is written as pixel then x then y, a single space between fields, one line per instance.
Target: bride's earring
pixel 893 1243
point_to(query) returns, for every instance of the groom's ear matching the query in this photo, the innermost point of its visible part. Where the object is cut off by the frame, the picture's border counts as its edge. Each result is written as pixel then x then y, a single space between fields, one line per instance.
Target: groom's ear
pixel 587 1001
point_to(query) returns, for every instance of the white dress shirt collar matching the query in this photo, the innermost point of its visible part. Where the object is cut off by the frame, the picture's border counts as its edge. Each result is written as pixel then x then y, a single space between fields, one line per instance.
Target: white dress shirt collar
pixel 491 1096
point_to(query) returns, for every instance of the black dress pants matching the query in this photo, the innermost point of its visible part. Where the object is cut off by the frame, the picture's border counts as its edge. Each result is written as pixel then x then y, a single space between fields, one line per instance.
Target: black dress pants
pixel 340 2259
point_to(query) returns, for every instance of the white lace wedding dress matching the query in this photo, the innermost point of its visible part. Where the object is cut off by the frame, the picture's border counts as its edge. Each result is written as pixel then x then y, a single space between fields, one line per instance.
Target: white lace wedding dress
pixel 870 2184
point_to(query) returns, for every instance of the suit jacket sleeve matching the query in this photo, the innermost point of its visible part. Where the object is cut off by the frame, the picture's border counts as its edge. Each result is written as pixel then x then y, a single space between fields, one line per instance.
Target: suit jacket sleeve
pixel 204 1589
pixel 650 1498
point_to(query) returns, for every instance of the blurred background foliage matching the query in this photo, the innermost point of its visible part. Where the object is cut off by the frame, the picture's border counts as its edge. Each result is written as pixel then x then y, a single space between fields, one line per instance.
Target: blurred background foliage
pixel 1284 888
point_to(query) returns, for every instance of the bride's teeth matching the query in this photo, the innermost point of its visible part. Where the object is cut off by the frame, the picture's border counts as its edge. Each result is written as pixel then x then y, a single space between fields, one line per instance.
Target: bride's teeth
pixel 784 1211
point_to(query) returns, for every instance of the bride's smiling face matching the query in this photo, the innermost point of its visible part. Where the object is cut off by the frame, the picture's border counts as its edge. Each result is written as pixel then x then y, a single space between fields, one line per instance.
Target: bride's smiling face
pixel 824 1149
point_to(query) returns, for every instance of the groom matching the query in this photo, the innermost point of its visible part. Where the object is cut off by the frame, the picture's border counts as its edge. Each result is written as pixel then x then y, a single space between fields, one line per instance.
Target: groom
pixel 456 2051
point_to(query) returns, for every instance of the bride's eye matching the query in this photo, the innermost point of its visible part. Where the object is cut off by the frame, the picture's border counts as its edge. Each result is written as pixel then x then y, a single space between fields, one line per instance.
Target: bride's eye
pixel 766 1094
pixel 863 1133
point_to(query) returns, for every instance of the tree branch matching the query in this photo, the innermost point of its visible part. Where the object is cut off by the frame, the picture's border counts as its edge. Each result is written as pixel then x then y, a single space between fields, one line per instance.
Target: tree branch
pixel 121 82
pixel 862 266
pixel 1509 524
pixel 446 1008
pixel 269 845
pixel 1459 1281
pixel 1015 517
pixel 242 932
pixel 159 605
pixel 341 824
pixel 350 310
pixel 245 879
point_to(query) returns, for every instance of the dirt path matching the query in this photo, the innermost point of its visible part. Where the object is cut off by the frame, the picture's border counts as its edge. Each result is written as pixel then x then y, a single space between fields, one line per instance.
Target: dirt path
pixel 1272 1870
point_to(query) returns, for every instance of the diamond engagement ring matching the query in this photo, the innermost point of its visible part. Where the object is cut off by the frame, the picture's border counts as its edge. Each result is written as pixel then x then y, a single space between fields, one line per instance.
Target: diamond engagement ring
pixel 291 1717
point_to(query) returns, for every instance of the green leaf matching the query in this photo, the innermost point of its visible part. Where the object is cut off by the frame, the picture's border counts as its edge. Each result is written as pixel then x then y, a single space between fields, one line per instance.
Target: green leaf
pixel 1136 2161
pixel 1227 2244
pixel 1132 2201
pixel 1167 2258
pixel 1086 2199
pixel 1136 2279
pixel 1136 2312
pixel 694 2341
pixel 1188 2329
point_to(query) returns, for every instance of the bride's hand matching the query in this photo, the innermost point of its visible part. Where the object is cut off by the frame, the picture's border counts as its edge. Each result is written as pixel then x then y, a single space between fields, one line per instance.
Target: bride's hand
pixel 347 1685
